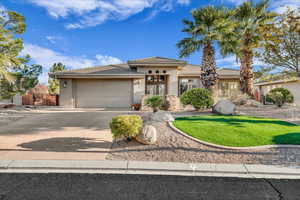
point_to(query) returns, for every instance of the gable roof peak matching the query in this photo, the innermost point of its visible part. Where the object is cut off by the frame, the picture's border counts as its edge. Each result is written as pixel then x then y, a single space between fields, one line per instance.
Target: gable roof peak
pixel 157 60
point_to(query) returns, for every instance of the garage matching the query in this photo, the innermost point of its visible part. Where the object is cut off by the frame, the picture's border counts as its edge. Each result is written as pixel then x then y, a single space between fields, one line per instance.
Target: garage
pixel 103 93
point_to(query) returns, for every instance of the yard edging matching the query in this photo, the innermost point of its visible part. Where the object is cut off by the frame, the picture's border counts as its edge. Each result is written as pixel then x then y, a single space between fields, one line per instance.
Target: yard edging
pixel 231 148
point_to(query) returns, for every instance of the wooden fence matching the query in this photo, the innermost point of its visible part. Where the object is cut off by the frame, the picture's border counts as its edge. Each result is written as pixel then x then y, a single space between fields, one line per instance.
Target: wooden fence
pixel 40 99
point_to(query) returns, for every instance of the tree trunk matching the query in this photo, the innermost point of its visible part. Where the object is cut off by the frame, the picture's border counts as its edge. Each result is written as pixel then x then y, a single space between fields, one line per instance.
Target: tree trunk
pixel 298 73
pixel 209 75
pixel 246 70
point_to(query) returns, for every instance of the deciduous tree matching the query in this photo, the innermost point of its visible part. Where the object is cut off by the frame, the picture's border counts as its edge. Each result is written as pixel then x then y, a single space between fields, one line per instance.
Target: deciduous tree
pixel 281 42
pixel 54 83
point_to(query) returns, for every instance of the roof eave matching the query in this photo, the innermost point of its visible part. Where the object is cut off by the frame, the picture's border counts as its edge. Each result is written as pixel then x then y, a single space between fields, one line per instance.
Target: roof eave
pixel 96 76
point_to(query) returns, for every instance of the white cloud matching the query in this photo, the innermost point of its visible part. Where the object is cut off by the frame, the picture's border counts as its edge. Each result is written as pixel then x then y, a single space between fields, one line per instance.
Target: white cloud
pixel 231 62
pixel 47 57
pixel 184 2
pixel 228 62
pixel 53 39
pixel 281 6
pixel 94 12
pixel 2 8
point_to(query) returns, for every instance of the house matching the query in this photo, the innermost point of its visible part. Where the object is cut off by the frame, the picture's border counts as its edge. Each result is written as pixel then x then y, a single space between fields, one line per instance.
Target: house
pixel 293 85
pixel 122 85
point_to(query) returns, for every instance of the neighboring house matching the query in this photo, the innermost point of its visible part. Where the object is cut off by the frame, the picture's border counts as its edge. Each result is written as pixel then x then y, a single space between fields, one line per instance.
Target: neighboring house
pixel 292 85
pixel 122 85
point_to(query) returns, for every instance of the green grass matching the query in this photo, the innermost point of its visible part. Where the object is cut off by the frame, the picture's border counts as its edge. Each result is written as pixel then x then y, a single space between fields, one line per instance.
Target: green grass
pixel 239 131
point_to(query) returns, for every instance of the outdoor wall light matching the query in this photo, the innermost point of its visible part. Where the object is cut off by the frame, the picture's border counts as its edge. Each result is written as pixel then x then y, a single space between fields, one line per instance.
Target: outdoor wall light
pixel 65 83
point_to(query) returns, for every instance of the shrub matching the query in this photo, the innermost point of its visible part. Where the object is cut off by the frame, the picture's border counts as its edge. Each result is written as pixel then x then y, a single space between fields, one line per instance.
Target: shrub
pixel 126 126
pixel 136 106
pixel 200 98
pixel 280 96
pixel 154 102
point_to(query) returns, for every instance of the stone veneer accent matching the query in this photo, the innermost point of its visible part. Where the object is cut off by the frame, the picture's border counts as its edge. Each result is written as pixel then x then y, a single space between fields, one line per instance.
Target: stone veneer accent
pixel 143 106
pixel 173 101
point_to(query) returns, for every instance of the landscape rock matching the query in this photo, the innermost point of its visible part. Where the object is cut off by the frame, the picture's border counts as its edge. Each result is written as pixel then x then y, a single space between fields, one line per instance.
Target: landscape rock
pixel 244 100
pixel 148 135
pixel 224 107
pixel 252 103
pixel 146 116
pixel 162 116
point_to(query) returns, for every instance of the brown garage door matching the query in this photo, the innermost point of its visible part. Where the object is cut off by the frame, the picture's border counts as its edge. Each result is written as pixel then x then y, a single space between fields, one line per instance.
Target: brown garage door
pixel 103 93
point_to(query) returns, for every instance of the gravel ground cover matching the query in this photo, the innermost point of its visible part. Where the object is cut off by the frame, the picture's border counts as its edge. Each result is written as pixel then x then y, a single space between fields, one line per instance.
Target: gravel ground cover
pixel 173 147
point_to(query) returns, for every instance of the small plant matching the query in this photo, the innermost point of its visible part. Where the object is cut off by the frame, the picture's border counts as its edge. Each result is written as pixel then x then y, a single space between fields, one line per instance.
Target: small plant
pixel 126 126
pixel 280 96
pixel 155 102
pixel 200 98
pixel 136 106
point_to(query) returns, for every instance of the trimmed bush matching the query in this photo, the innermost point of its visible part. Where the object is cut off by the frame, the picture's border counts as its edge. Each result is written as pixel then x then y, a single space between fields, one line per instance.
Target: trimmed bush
pixel 280 96
pixel 126 126
pixel 154 102
pixel 200 98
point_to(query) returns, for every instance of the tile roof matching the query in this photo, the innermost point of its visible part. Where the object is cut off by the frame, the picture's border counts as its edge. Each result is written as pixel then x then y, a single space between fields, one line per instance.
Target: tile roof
pixel 122 69
pixel 125 69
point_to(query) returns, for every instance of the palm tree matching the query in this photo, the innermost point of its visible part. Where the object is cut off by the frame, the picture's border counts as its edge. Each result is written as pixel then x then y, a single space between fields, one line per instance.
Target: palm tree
pixel 207 27
pixel 245 38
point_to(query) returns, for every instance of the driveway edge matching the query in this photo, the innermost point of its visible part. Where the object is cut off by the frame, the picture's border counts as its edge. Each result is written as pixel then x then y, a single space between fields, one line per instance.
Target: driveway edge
pixel 170 124
pixel 149 168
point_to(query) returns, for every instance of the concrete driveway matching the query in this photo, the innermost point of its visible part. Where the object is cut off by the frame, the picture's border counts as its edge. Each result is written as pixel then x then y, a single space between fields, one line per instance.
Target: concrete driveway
pixel 56 134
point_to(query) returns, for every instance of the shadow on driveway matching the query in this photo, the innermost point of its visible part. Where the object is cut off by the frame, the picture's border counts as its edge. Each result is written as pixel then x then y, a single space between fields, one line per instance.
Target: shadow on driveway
pixel 66 144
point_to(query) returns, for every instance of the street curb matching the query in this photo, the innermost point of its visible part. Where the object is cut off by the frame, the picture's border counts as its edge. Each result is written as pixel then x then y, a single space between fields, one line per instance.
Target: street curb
pixel 148 168
pixel 170 124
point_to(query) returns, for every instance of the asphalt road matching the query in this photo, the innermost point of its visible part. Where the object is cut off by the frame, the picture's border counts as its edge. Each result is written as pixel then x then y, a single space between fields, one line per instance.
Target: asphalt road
pixel 142 187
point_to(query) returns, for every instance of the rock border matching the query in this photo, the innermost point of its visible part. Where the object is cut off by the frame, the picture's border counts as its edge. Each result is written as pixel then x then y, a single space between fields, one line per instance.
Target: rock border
pixel 170 124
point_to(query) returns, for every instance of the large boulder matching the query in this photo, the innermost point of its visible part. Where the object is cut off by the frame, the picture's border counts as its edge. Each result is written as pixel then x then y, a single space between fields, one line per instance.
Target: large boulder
pixel 148 135
pixel 161 116
pixel 224 107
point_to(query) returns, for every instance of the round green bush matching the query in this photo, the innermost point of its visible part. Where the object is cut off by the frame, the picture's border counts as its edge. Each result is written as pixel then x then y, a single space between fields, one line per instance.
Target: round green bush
pixel 280 96
pixel 200 98
pixel 126 126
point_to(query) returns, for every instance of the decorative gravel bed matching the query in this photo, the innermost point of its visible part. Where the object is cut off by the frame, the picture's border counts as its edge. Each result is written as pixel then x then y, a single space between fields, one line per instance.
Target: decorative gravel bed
pixel 173 147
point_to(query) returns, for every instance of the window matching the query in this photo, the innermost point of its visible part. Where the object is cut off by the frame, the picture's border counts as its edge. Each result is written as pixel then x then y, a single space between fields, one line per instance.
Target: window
pixel 227 88
pixel 188 83
pixel 156 85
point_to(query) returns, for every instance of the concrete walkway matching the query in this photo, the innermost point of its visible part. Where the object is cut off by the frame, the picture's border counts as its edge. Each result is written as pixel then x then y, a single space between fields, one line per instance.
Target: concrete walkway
pixel 149 168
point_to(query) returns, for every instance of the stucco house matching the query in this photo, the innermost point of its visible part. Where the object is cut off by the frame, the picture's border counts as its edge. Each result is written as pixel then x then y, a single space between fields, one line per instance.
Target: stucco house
pixel 293 85
pixel 121 85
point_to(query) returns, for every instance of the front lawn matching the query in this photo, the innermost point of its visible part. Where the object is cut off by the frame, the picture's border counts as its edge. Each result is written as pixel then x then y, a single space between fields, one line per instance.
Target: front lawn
pixel 239 131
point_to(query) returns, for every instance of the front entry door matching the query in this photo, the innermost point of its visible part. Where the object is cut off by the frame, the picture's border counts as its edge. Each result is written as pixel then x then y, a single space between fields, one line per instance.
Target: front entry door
pixel 156 85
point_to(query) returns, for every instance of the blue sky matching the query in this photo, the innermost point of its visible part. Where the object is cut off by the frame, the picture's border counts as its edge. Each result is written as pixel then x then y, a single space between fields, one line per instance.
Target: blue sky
pixel 85 33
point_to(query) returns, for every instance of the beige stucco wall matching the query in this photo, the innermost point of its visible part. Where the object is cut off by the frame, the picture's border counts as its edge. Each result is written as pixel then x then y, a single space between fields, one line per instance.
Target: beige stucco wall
pixel 293 87
pixel 138 90
pixel 66 93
